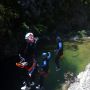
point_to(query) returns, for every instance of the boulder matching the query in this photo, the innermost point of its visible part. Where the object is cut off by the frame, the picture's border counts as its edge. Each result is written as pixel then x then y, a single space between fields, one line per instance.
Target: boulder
pixel 82 81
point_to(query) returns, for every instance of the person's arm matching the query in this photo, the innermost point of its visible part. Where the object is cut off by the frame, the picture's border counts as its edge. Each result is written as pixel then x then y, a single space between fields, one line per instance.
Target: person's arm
pixel 32 68
pixel 60 45
pixel 36 39
pixel 49 55
pixel 44 63
pixel 30 72
pixel 59 48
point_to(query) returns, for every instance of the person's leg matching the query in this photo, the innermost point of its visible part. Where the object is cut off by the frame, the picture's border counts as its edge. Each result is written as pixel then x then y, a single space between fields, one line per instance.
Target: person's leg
pixel 57 62
pixel 28 80
pixel 41 81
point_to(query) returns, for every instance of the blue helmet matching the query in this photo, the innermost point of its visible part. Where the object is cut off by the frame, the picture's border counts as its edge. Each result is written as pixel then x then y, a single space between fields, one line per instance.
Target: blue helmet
pixel 58 38
pixel 44 54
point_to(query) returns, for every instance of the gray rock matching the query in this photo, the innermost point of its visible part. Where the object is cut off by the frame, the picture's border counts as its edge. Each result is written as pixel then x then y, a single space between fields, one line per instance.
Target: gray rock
pixel 83 80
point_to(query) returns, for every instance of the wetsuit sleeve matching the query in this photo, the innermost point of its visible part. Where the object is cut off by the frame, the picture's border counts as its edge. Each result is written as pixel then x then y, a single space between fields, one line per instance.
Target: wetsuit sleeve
pixel 49 55
pixel 33 66
pixel 59 45
pixel 30 72
pixel 44 63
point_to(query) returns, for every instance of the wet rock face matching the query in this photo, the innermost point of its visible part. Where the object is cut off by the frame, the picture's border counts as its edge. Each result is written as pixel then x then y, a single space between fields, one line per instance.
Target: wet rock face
pixel 82 81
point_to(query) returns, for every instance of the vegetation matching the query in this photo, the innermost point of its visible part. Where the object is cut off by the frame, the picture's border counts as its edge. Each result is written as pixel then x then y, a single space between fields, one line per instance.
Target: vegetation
pixel 43 17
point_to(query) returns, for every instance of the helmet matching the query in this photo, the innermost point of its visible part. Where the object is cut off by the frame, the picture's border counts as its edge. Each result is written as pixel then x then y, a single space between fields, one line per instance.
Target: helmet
pixel 24 63
pixel 58 38
pixel 29 37
pixel 44 54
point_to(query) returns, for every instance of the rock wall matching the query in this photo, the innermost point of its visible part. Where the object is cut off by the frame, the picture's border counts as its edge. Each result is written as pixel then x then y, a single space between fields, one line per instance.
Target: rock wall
pixel 82 81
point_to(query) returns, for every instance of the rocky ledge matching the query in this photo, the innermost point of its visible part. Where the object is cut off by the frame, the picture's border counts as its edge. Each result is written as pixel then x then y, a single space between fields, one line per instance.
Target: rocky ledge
pixel 82 81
